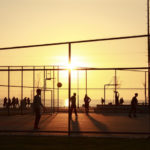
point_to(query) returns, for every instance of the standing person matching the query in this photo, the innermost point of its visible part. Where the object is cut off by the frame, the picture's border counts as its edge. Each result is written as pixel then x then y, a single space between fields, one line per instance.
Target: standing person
pixel 134 103
pixel 5 102
pixel 13 102
pixel 9 102
pixel 17 102
pixel 102 101
pixel 121 101
pixel 37 108
pixel 116 98
pixel 87 101
pixel 28 102
pixel 73 105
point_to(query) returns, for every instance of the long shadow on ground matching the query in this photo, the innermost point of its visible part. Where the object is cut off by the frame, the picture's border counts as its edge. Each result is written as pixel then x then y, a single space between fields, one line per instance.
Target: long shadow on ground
pixel 101 126
pixel 75 125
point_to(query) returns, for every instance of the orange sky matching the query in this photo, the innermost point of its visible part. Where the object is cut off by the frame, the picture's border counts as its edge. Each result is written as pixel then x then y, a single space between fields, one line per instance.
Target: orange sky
pixel 42 21
pixel 28 22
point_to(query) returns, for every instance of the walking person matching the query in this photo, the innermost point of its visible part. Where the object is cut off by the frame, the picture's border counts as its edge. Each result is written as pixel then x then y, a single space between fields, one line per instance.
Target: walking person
pixel 87 101
pixel 134 103
pixel 37 108
pixel 73 105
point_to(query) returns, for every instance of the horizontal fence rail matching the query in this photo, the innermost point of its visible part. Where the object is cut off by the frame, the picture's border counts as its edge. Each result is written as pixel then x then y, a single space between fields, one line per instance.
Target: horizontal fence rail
pixel 75 42
pixel 84 69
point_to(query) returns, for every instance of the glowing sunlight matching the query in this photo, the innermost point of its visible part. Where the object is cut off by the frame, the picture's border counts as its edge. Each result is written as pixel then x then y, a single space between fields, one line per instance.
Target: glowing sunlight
pixel 66 103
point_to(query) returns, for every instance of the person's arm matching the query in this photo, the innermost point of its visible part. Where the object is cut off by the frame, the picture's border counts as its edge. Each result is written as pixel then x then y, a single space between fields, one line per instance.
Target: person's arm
pixel 136 102
pixel 42 105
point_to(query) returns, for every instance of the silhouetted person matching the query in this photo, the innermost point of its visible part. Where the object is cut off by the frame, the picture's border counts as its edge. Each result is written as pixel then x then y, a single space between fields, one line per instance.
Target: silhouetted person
pixel 9 102
pixel 25 102
pixel 5 102
pixel 73 105
pixel 102 101
pixel 13 103
pixel 116 98
pixel 37 108
pixel 28 101
pixel 87 101
pixel 17 102
pixel 134 103
pixel 121 101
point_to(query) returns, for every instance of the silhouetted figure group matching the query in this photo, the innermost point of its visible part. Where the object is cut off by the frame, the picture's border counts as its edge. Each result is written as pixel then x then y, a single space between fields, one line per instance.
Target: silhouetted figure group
pixel 25 102
pixel 117 101
pixel 14 103
pixel 87 100
pixel 8 102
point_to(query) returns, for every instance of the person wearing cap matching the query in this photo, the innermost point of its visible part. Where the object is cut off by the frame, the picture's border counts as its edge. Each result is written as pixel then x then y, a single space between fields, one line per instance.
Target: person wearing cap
pixel 37 108
pixel 134 103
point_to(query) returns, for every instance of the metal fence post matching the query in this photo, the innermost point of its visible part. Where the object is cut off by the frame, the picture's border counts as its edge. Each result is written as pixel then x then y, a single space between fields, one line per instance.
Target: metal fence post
pixel 21 89
pixel 33 82
pixel 58 90
pixel 53 89
pixel 78 86
pixel 44 84
pixel 69 88
pixel 8 107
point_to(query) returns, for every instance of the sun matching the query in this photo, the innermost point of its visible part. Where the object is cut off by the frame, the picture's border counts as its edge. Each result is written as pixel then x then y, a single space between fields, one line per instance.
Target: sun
pixel 76 62
pixel 71 66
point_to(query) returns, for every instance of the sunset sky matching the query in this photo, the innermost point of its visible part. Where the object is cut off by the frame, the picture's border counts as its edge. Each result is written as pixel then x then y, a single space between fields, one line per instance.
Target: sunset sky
pixel 27 22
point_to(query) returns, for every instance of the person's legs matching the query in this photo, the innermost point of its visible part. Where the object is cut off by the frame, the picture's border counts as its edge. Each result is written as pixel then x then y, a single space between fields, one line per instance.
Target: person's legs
pixel 37 118
pixel 86 109
pixel 75 111
pixel 71 109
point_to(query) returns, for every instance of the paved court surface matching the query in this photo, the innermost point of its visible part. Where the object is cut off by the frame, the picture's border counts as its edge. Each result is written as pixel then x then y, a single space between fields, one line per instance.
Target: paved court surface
pixel 92 122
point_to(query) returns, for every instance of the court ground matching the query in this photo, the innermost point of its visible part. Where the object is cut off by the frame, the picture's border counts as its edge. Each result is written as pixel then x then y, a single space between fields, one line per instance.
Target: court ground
pixel 83 125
